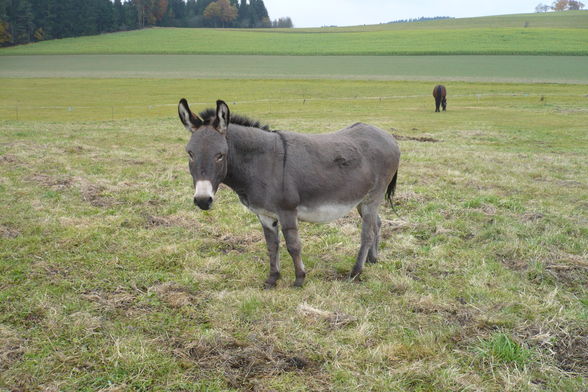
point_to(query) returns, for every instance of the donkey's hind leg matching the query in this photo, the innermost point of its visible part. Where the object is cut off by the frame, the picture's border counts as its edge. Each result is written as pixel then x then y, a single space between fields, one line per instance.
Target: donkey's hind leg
pixel 372 256
pixel 369 228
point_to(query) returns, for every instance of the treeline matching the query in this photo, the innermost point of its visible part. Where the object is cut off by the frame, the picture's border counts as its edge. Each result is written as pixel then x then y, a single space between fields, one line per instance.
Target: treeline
pixel 24 21
pixel 421 19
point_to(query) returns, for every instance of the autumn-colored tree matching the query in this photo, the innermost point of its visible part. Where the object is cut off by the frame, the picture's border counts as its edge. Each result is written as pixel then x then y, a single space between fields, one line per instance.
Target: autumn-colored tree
pixel 565 5
pixel 221 11
pixel 150 12
pixel 5 36
pixel 560 5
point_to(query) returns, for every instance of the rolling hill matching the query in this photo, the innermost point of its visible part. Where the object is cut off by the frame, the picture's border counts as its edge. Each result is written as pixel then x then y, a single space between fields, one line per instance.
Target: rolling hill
pixel 563 33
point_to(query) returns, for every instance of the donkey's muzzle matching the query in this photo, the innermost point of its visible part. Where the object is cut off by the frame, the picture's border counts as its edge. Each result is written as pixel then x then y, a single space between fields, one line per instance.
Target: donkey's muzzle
pixel 203 203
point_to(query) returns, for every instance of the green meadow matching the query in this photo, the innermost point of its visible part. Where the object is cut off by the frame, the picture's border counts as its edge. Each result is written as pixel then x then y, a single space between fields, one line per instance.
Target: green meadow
pixel 111 280
pixel 503 41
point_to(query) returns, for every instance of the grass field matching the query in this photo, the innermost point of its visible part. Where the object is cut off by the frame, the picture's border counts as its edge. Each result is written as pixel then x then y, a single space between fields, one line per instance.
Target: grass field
pixel 518 69
pixel 111 280
pixel 385 42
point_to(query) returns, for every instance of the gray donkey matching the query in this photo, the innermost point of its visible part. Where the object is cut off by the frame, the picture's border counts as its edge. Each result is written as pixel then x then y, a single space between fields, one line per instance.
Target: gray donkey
pixel 285 176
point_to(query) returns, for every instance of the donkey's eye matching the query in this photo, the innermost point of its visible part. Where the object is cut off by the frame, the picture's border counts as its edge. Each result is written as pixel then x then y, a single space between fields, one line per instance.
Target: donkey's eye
pixel 219 157
pixel 191 155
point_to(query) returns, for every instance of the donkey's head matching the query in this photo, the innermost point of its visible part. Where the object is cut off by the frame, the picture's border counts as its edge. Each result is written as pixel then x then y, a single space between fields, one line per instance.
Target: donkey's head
pixel 207 151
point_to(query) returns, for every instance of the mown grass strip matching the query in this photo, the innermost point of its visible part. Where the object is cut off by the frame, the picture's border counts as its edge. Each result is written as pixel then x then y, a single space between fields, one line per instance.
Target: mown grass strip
pixel 531 69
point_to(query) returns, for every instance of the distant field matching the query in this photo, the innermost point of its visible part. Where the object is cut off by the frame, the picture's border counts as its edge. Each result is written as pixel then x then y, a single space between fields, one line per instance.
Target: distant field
pixel 563 20
pixel 528 69
pixel 487 41
pixel 111 280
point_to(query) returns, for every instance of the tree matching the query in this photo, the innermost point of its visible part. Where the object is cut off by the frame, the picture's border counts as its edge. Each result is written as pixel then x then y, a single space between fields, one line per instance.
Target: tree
pixel 560 5
pixel 21 21
pixel 221 10
pixel 542 8
pixel 575 5
pixel 149 12
pixel 564 5
pixel 283 23
pixel 5 35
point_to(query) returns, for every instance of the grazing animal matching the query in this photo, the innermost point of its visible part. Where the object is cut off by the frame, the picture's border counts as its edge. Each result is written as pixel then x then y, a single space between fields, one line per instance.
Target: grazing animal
pixel 440 94
pixel 285 176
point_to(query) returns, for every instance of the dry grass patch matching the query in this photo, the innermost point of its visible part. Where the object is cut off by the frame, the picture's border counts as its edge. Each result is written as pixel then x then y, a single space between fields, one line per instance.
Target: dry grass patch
pixel 333 319
pixel 173 294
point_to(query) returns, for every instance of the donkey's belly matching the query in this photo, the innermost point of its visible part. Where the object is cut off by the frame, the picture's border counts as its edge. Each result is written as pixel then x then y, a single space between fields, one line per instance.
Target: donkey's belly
pixel 317 214
pixel 324 213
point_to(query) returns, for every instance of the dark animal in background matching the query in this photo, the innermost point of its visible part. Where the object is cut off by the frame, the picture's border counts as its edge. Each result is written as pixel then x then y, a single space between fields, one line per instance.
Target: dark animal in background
pixel 440 94
pixel 283 177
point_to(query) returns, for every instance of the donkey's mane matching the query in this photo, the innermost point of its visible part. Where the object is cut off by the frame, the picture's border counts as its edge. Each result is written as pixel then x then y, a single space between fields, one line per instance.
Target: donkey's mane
pixel 209 114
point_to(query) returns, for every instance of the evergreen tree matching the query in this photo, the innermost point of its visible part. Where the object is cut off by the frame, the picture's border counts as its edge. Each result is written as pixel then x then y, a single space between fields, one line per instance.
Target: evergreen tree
pixel 20 16
pixel 243 18
pixel 5 35
pixel 117 15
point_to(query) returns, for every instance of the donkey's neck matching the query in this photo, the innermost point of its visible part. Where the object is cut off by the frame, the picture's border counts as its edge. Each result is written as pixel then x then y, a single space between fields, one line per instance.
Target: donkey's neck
pixel 252 159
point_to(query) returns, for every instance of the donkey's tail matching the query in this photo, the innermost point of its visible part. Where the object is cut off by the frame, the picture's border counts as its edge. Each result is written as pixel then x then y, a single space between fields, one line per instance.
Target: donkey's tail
pixel 390 192
pixel 391 188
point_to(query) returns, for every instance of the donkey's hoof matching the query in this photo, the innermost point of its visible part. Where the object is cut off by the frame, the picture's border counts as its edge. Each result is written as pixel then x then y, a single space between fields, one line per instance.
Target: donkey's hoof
pixel 355 276
pixel 271 281
pixel 267 285
pixel 299 282
pixel 371 260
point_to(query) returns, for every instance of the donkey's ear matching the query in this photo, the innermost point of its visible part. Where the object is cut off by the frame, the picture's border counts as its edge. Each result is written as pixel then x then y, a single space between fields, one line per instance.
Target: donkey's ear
pixel 190 121
pixel 223 117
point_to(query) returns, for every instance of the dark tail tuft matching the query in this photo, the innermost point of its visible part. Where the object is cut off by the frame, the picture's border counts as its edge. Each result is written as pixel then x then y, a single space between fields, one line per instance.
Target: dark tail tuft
pixel 391 188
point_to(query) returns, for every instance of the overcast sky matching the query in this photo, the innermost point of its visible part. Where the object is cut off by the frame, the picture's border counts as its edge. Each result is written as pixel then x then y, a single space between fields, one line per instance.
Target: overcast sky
pixel 317 13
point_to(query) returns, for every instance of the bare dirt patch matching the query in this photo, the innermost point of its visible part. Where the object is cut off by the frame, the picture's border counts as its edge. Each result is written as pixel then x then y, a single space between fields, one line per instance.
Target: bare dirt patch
pixel 178 220
pixel 8 231
pixel 56 183
pixel 94 194
pixel 568 345
pixel 571 350
pixel 425 139
pixel 244 365
pixel 119 299
pixel 569 269
pixel 12 347
pixel 9 159
pixel 173 294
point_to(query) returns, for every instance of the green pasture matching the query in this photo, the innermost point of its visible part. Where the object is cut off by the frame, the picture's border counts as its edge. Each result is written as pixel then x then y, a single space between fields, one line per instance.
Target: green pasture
pixel 558 20
pixel 487 41
pixel 111 280
pixel 81 100
pixel 528 69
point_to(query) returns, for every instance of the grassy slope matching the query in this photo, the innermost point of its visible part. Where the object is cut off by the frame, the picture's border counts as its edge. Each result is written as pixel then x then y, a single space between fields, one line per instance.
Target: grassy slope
pixel 111 280
pixel 563 20
pixel 462 39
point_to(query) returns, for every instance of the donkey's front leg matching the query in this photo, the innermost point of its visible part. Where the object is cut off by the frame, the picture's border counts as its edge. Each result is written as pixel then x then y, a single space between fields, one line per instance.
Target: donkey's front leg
pixel 289 223
pixel 272 239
